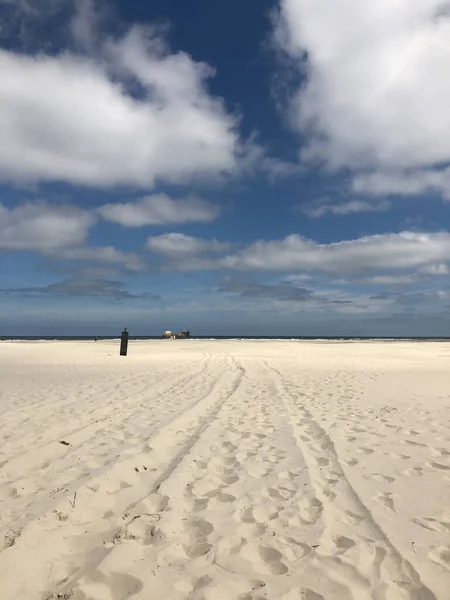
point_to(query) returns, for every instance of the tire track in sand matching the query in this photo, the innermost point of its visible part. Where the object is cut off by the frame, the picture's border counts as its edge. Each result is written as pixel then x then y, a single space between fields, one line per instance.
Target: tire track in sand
pixel 353 551
pixel 76 534
pixel 230 519
pixel 55 471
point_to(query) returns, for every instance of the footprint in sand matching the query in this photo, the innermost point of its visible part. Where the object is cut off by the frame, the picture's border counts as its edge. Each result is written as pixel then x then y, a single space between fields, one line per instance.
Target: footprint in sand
pixel 265 513
pixel 387 501
pixel 265 559
pixel 233 552
pixel 120 585
pixel 293 550
pixel 206 486
pixel 414 472
pixel 196 504
pixel 441 556
pixel 412 443
pixel 141 529
pixel 229 447
pixel 229 480
pixel 343 543
pixel 10 538
pixel 433 524
pixel 224 497
pixel 246 516
pixel 439 466
pixel 365 450
pixel 310 510
pixel 336 546
pixel 197 532
pixel 399 455
pixel 200 464
pixel 352 518
pixel 197 550
pixel 222 465
pixel 281 493
pixel 287 475
pixel 440 452
pixel 383 478
pixel 252 530
pixel 327 445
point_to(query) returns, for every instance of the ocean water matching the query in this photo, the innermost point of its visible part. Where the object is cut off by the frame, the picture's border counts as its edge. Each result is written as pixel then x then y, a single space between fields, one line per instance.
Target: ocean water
pixel 32 338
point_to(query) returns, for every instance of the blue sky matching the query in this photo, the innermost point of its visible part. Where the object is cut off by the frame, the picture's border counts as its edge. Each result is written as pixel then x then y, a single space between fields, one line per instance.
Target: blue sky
pixel 273 167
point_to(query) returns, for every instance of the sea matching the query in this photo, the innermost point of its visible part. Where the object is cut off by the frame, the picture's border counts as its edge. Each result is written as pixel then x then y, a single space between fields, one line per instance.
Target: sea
pixel 86 338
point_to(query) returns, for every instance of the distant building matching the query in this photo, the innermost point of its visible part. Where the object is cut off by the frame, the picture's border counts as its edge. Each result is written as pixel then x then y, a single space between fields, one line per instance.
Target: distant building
pixel 168 335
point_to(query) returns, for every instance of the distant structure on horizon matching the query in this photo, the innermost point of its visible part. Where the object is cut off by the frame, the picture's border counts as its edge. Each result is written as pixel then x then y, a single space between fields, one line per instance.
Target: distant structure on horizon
pixel 168 335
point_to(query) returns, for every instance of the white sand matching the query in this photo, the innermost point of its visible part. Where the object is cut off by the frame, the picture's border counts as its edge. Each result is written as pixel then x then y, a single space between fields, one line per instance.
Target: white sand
pixel 235 470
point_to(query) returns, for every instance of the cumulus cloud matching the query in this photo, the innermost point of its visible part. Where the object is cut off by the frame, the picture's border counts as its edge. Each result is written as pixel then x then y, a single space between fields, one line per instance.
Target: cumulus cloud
pixel 382 183
pixel 159 209
pixel 318 210
pixel 41 226
pixel 406 250
pixel 375 94
pixel 436 269
pixel 180 252
pixel 368 260
pixel 181 245
pixel 60 232
pixel 131 113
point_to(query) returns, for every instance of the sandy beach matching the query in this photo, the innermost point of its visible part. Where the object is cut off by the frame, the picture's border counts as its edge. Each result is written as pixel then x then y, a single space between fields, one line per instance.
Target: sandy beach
pixel 241 470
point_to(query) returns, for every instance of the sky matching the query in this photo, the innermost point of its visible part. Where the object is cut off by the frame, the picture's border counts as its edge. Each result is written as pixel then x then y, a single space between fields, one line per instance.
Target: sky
pixel 268 167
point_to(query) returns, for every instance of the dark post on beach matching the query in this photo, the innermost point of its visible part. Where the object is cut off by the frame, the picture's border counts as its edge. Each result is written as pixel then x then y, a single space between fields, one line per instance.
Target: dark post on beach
pixel 124 343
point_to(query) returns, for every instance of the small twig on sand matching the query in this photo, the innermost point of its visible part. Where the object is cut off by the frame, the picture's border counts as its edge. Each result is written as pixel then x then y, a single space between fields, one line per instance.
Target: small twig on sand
pixel 152 515
pixel 74 500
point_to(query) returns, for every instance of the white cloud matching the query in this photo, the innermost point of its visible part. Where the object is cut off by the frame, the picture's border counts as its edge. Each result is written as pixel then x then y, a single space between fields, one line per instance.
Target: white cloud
pixel 377 91
pixel 41 226
pixel 74 118
pixel 413 183
pixel 159 209
pixel 317 210
pixel 436 269
pixel 406 250
pixel 58 231
pixel 179 245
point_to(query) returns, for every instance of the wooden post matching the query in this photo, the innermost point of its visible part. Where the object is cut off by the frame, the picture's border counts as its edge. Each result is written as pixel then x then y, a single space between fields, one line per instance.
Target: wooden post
pixel 124 343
